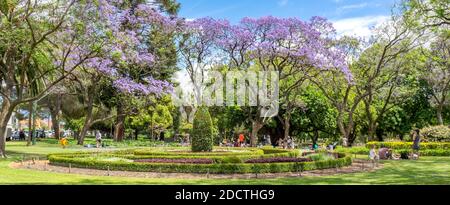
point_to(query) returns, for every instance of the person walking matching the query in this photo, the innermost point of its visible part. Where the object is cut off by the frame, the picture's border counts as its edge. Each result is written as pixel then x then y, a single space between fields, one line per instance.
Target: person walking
pixel 241 139
pixel 416 144
pixel 98 138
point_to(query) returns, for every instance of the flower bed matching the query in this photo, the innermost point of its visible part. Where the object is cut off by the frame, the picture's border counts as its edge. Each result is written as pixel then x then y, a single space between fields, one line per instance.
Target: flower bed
pixel 274 161
pixel 278 160
pixel 176 161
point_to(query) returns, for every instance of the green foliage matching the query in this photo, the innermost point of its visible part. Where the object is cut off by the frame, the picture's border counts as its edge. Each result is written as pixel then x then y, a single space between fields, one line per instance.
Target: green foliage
pixel 408 145
pixel 162 119
pixel 353 150
pixel 202 132
pixel 314 113
pixel 436 133
pixel 233 165
pixel 320 157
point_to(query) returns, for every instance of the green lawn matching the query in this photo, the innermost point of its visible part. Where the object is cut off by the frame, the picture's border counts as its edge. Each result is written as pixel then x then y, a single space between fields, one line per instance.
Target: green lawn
pixel 428 170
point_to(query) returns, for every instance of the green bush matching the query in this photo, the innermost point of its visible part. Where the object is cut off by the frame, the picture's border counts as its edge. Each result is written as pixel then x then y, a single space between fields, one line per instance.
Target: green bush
pixel 320 157
pixel 429 152
pixel 353 150
pixel 408 145
pixel 436 133
pixel 202 131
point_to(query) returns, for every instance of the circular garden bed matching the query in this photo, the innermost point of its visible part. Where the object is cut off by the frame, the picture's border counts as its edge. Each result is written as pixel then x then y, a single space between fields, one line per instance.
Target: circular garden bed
pixel 221 161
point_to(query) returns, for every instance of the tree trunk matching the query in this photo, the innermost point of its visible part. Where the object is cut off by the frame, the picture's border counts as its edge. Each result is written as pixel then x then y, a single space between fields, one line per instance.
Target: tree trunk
pixel 439 115
pixel 87 122
pixel 287 126
pixel 55 125
pixel 371 132
pixel 315 138
pixel 5 114
pixel 55 108
pixel 30 123
pixel 119 128
pixel 256 126
pixel 136 134
pixel 370 119
pixel 344 133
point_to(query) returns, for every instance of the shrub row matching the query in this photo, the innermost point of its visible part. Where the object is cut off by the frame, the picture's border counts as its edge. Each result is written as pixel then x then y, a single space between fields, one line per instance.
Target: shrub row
pixel 439 133
pixel 429 152
pixel 408 145
pixel 423 152
pixel 238 151
pixel 128 154
pixel 219 168
pixel 353 150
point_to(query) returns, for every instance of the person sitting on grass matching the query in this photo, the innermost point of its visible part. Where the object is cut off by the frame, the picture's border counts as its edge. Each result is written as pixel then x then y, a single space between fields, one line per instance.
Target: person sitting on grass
pixel 385 153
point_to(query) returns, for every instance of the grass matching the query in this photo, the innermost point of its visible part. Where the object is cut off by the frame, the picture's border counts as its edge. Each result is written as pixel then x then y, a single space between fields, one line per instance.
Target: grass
pixel 428 170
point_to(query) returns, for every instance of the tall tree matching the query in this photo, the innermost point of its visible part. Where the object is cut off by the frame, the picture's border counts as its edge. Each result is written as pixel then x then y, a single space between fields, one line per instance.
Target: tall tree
pixel 437 73
pixel 36 41
pixel 161 44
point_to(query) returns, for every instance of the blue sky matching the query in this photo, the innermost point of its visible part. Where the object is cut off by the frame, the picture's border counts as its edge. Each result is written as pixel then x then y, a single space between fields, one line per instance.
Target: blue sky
pixel 351 17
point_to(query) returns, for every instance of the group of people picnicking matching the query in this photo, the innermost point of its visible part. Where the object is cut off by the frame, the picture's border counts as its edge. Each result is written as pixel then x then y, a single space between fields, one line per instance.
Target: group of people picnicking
pixel 388 154
pixel 98 139
pixel 238 142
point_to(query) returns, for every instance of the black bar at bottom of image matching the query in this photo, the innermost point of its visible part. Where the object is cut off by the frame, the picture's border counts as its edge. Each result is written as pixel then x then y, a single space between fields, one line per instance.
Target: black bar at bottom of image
pixel 218 194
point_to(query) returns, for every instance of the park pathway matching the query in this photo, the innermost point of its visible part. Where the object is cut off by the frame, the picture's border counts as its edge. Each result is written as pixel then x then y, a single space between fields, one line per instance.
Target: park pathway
pixel 357 166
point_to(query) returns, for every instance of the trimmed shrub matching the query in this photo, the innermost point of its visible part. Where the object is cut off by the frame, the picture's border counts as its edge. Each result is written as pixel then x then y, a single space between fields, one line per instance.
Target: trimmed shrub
pixel 353 150
pixel 320 157
pixel 428 152
pixel 408 145
pixel 202 132
pixel 436 133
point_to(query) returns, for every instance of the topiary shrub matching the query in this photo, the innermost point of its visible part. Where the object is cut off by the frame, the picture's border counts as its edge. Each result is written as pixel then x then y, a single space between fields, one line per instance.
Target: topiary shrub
pixel 436 134
pixel 202 131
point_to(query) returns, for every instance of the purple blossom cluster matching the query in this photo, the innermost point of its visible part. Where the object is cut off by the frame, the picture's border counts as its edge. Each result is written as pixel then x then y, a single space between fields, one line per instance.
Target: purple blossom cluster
pixel 269 39
pixel 110 40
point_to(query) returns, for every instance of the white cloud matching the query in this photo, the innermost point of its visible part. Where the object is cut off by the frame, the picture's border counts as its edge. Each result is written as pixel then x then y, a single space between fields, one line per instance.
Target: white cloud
pixel 283 2
pixel 348 8
pixel 353 6
pixel 358 26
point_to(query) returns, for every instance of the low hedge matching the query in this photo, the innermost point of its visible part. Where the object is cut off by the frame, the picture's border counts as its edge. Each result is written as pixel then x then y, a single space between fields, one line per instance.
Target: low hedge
pixel 428 153
pixel 353 150
pixel 422 152
pixel 152 152
pixel 408 145
pixel 226 158
pixel 219 168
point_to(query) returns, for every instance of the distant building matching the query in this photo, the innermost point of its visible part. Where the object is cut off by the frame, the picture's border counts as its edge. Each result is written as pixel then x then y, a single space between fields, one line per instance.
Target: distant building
pixel 13 125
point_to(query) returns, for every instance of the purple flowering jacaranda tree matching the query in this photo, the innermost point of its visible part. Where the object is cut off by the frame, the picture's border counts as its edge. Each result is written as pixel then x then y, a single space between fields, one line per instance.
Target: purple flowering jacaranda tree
pixel 289 46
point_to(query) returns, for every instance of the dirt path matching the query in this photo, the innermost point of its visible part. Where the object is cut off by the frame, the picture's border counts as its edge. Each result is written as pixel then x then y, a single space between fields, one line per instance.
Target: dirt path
pixel 357 166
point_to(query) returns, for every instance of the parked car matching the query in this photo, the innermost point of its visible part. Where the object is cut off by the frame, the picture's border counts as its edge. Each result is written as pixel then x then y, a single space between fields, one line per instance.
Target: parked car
pixel 15 136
